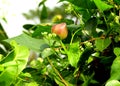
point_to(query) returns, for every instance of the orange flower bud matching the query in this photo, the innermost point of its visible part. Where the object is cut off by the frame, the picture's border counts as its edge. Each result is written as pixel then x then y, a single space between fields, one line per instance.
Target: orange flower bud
pixel 61 30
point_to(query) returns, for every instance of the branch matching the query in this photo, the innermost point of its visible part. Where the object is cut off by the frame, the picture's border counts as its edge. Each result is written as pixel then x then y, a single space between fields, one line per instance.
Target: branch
pixel 57 72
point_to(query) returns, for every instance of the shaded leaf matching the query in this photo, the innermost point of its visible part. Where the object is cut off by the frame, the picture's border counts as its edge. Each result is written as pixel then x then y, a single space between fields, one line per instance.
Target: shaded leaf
pixel 47 28
pixel 91 25
pixel 44 13
pixel 117 1
pixel 87 4
pixel 3 34
pixel 84 56
pixel 40 29
pixel 42 2
pixel 67 21
pixel 29 26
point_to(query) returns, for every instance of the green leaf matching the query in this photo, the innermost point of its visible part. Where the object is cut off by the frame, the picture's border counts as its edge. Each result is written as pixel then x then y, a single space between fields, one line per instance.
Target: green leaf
pixel 3 34
pixel 90 26
pixel 47 28
pixel 87 4
pixel 74 54
pixel 101 5
pixel 58 81
pixel 42 2
pixel 113 83
pixel 84 57
pixel 44 13
pixel 31 84
pixel 47 52
pixel 13 67
pixel 117 51
pixel 29 26
pixel 102 44
pixel 40 29
pixel 31 43
pixel 117 1
pixel 67 21
pixel 115 69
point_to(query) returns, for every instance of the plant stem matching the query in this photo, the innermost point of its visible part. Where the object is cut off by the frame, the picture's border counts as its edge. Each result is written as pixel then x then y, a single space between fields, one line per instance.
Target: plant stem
pixel 74 35
pixel 63 46
pixel 57 72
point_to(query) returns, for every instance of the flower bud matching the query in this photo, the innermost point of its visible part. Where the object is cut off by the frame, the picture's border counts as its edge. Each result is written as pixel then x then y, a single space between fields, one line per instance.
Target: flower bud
pixel 61 30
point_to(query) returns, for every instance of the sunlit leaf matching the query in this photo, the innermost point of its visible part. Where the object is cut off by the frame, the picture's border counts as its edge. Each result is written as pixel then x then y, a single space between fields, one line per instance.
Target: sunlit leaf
pixel 115 69
pixel 113 83
pixel 117 51
pixel 102 44
pixel 102 5
pixel 13 67
pixel 58 81
pixel 31 84
pixel 74 54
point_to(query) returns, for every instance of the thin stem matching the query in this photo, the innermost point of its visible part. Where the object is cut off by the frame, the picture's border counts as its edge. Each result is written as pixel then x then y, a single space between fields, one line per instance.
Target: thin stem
pixel 57 72
pixel 105 20
pixel 93 39
pixel 74 35
pixel 55 52
pixel 108 31
pixel 63 46
pixel 77 15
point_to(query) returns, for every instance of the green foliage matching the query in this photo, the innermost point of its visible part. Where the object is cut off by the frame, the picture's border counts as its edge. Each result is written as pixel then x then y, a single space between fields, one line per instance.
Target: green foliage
pixel 102 44
pixel 13 64
pixel 89 56
pixel 117 2
pixel 101 5
pixel 74 53
pixel 115 75
pixel 90 26
pixel 113 83
pixel 3 35
pixel 87 4
pixel 28 41
pixel 43 12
